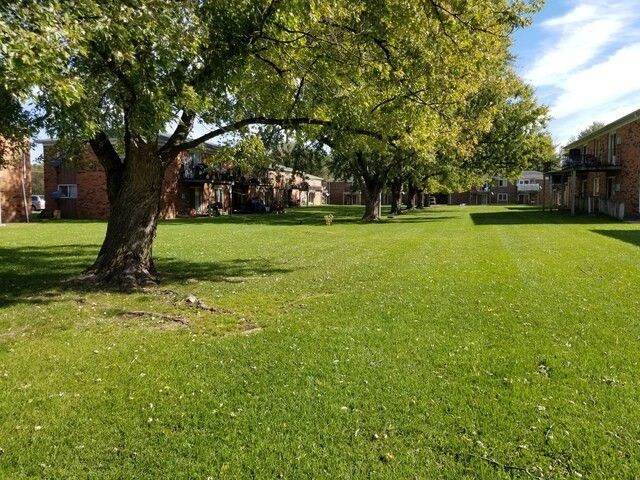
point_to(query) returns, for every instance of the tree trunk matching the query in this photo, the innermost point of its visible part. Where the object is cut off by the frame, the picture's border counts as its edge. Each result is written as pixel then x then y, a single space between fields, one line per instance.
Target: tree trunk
pixel 372 205
pixel 420 199
pixel 125 259
pixel 373 185
pixel 396 197
pixel 411 196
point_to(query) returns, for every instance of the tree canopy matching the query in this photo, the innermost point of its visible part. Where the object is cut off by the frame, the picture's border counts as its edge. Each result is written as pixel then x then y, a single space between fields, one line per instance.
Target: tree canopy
pixel 594 127
pixel 386 74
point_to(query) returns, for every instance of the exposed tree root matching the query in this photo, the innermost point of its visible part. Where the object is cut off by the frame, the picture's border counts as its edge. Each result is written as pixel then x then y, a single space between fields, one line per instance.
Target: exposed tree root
pixel 121 279
pixel 162 316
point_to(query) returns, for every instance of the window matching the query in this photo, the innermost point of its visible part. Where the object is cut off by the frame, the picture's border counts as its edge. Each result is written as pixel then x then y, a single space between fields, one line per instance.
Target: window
pixel 502 182
pixel 503 197
pixel 68 191
pixel 219 195
pixel 596 186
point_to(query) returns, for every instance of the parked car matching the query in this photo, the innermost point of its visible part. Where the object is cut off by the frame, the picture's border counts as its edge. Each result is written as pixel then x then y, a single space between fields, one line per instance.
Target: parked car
pixel 37 203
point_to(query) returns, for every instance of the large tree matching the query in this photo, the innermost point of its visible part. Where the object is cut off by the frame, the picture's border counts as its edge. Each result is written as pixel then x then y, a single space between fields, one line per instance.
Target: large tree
pixel 99 70
pixel 518 138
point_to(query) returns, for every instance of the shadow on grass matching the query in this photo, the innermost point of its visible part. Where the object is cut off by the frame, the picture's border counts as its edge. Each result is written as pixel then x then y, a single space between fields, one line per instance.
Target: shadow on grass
pixel 421 219
pixel 309 216
pixel 628 236
pixel 533 217
pixel 526 208
pixel 31 274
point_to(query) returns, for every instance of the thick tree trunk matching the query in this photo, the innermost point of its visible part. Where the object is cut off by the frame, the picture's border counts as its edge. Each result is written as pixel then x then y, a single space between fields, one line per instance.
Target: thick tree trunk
pixel 411 196
pixel 372 205
pixel 125 259
pixel 373 180
pixel 396 197
pixel 420 199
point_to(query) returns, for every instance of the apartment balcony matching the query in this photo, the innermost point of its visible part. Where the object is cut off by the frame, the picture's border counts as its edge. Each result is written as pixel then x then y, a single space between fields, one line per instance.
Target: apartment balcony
pixel 588 162
pixel 202 174
pixel 529 188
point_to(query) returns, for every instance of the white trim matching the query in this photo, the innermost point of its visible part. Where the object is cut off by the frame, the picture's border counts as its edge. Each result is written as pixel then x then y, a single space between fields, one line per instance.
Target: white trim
pixel 73 191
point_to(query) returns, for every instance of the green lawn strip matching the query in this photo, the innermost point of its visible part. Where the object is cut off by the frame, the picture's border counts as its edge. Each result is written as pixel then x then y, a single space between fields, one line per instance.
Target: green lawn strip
pixel 423 346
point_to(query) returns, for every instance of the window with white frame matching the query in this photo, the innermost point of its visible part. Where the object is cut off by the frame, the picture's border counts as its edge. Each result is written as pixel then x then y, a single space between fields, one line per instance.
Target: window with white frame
pixel 502 182
pixel 596 186
pixel 503 197
pixel 69 190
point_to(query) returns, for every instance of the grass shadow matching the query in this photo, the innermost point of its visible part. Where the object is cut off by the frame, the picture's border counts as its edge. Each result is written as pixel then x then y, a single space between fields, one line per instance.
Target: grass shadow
pixel 421 219
pixel 313 216
pixel 32 274
pixel 628 236
pixel 526 208
pixel 536 217
pixel 292 217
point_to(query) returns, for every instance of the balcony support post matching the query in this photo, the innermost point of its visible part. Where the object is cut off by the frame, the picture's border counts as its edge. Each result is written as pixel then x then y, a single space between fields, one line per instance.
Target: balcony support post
pixel 573 191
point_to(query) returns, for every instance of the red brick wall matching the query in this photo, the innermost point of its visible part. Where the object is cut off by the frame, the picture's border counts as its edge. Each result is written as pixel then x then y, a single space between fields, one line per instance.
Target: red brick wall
pixel 92 201
pixel 172 202
pixel 11 179
pixel 91 181
pixel 337 192
pixel 629 159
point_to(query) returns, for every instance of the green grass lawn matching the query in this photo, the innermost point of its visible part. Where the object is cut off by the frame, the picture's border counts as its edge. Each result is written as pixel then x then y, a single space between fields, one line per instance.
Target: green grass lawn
pixel 458 342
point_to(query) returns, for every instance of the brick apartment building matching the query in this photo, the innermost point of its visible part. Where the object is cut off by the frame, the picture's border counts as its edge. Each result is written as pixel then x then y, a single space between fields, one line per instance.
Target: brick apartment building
pixel 78 190
pixel 600 173
pixel 526 190
pixel 345 192
pixel 15 184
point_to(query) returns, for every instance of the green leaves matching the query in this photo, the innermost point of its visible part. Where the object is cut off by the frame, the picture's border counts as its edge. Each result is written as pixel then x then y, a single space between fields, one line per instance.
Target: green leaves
pixel 413 72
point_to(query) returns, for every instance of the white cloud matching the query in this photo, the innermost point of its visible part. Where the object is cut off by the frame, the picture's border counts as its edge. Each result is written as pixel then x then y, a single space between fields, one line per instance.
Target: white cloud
pixel 567 127
pixel 598 85
pixel 580 14
pixel 588 65
pixel 575 39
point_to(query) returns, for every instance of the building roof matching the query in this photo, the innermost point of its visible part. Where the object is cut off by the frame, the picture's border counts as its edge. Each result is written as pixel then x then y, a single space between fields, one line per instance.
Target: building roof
pixel 285 169
pixel 632 117
pixel 162 137
pixel 532 174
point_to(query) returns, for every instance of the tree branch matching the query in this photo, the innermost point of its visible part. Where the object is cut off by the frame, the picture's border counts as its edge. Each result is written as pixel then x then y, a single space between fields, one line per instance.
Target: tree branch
pixel 180 133
pixel 110 161
pixel 282 122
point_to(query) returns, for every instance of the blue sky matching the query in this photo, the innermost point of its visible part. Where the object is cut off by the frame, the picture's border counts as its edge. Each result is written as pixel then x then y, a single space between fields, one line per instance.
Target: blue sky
pixel 583 58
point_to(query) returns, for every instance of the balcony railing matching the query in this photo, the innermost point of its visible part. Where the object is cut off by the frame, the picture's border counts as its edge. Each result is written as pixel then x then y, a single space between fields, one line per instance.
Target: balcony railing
pixel 529 187
pixel 204 174
pixel 586 161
